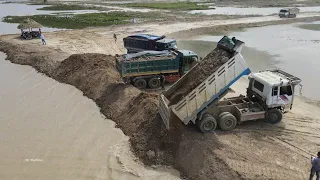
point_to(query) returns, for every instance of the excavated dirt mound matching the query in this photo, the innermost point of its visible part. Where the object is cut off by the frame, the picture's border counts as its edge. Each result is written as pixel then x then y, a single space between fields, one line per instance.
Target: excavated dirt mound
pixel 211 63
pixel 91 73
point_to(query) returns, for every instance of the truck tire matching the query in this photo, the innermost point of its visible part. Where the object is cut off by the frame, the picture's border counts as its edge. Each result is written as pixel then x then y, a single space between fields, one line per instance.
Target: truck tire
pixel 273 116
pixel 140 83
pixel 227 122
pixel 154 83
pixel 207 124
pixel 222 114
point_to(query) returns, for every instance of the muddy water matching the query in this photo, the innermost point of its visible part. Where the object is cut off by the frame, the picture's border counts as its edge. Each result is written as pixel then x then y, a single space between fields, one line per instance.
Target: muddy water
pixel 49 130
pixel 284 46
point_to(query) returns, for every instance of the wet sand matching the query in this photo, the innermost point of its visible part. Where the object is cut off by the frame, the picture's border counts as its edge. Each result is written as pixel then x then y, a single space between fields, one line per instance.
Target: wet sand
pixel 49 130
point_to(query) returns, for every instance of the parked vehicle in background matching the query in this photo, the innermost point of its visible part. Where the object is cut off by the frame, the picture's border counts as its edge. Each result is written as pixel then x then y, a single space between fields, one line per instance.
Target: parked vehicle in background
pixel 289 12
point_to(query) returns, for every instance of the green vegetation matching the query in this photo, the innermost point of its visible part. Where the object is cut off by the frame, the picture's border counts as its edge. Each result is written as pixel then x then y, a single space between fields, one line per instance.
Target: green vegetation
pixel 80 21
pixel 314 27
pixel 174 5
pixel 61 7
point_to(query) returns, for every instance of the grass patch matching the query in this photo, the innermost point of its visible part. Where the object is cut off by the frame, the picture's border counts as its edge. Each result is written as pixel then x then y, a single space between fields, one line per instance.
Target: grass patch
pixel 314 27
pixel 174 5
pixel 80 21
pixel 62 7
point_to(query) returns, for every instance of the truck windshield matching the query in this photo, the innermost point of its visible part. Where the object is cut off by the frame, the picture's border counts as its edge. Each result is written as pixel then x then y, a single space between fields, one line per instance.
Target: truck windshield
pixel 286 90
pixel 283 11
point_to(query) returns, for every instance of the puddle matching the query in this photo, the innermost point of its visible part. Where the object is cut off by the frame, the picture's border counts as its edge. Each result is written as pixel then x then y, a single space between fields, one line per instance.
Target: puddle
pixel 249 11
pixel 288 47
pixel 314 26
pixel 126 9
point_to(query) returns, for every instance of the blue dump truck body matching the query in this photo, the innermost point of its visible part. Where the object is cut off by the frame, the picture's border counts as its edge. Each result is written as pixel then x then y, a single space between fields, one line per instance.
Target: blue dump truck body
pixel 145 42
pixel 144 68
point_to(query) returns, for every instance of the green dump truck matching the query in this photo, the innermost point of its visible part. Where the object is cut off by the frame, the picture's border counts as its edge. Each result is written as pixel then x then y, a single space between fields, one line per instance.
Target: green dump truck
pixel 143 69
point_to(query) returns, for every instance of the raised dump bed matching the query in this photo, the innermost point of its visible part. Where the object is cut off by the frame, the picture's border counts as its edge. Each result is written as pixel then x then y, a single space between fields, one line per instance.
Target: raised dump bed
pixel 205 83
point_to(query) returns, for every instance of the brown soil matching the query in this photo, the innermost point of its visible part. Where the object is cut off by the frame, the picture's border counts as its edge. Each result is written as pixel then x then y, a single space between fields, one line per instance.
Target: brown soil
pixel 147 58
pixel 211 63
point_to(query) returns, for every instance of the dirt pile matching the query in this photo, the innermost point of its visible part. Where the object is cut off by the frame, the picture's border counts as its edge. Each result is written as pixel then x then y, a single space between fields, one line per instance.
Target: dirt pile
pixel 91 73
pixel 211 63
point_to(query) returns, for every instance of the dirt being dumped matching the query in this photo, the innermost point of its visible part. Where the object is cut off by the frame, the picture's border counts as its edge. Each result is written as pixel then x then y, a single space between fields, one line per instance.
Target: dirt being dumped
pixel 136 113
pixel 199 73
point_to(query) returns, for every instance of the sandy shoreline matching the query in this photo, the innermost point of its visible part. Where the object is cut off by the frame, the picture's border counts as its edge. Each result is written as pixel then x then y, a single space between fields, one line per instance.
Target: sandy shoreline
pixel 285 147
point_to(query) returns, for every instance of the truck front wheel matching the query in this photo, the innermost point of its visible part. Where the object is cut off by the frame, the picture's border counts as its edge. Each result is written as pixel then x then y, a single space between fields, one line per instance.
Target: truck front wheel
pixel 154 83
pixel 140 83
pixel 273 116
pixel 207 124
pixel 227 122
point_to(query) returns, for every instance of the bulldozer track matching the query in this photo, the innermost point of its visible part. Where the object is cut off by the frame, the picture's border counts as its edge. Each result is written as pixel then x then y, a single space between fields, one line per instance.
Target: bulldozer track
pixel 289 145
pixel 268 171
pixel 282 131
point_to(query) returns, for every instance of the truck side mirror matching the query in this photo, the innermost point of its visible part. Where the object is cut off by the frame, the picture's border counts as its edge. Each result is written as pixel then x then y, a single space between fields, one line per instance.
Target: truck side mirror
pixel 300 90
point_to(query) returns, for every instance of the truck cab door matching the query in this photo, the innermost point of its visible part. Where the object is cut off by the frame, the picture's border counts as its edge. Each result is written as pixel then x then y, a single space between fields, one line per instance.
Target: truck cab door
pixel 282 96
pixel 189 63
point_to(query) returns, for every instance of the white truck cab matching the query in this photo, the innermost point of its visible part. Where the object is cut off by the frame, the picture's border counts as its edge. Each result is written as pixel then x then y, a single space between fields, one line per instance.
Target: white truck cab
pixel 275 88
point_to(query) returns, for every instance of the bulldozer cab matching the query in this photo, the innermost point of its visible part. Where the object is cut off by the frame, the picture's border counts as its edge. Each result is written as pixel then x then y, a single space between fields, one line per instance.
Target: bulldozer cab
pixel 231 45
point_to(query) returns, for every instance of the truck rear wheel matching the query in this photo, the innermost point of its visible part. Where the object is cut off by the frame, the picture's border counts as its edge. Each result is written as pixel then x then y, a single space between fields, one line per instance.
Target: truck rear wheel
pixel 154 83
pixel 273 116
pixel 227 122
pixel 140 83
pixel 207 124
pixel 222 114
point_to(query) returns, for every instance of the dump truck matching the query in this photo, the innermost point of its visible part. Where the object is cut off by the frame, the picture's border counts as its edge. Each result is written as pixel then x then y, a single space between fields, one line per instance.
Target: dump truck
pixel 143 69
pixel 289 12
pixel 145 42
pixel 270 94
